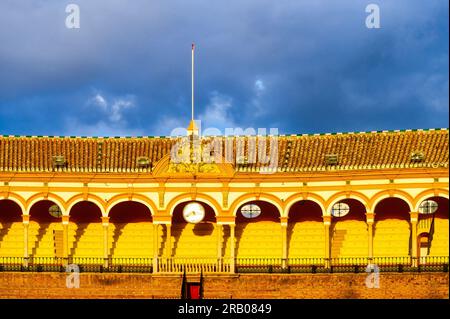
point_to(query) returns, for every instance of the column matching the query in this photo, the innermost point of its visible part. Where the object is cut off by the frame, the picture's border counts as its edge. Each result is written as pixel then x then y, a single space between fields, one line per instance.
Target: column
pixel 161 260
pixel 219 245
pixel 155 248
pixel 232 247
pixel 414 219
pixel 284 253
pixel 105 224
pixel 168 240
pixel 65 224
pixel 169 261
pixel 370 219
pixel 326 224
pixel 26 222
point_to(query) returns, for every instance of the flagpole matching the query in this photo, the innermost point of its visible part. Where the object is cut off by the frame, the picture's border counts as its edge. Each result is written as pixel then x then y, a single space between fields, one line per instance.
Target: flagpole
pixel 192 93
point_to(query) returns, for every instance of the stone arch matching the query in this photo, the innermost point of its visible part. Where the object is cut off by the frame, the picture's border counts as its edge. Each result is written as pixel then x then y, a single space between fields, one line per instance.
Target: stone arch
pixel 312 211
pixel 295 198
pixel 428 194
pixel 10 211
pixel 85 211
pixel 129 211
pixel 257 197
pixel 363 199
pixel 89 198
pixel 17 199
pixel 378 197
pixel 206 199
pixel 134 198
pixel 47 196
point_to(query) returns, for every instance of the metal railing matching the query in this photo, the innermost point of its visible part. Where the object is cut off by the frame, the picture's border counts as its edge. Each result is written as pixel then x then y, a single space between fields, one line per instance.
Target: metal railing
pixel 84 264
pixel 225 265
pixel 258 265
pixel 193 265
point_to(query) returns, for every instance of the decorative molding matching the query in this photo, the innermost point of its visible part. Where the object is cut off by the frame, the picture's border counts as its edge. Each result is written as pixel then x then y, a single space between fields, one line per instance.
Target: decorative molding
pixel 193 168
pixel 166 168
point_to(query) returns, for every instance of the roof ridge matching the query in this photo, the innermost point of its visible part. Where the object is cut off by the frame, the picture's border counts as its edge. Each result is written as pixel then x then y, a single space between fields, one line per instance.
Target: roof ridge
pixel 210 136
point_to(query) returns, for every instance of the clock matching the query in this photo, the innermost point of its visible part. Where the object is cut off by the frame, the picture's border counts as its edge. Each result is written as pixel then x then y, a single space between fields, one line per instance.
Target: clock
pixel 193 213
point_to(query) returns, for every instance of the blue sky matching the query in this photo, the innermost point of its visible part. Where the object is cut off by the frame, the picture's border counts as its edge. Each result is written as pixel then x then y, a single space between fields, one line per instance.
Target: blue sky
pixel 299 66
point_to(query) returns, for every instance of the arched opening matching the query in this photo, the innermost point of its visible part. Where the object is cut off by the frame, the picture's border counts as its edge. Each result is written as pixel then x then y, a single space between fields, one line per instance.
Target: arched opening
pixel 392 231
pixel 423 243
pixel 45 224
pixel 306 237
pixel 85 230
pixel 130 231
pixel 437 230
pixel 11 229
pixel 348 231
pixel 259 236
pixel 193 239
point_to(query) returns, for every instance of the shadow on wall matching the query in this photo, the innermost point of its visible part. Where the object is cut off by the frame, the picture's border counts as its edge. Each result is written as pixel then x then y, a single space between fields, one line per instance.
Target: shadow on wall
pixel 126 213
pixel 83 214
pixel 302 211
pixel 39 213
pixel 203 229
pixel 392 209
pixel 10 213
pixel 269 213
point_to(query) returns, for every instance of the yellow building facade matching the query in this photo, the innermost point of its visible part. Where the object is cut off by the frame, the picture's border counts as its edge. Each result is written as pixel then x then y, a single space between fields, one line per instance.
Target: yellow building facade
pixel 112 201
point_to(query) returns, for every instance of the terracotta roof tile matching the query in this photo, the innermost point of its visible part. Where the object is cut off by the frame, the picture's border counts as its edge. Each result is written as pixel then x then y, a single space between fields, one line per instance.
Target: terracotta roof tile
pixel 296 153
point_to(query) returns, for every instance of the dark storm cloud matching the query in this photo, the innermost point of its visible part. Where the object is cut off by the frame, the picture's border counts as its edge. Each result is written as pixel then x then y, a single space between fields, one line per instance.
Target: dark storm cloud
pixel 301 66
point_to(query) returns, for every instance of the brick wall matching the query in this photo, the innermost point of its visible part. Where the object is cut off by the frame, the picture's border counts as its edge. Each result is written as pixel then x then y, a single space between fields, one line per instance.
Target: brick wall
pixel 424 285
pixel 52 285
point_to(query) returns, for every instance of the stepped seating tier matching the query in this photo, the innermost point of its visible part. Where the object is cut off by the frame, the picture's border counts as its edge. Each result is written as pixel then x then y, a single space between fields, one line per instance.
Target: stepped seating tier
pixel 349 239
pixel 307 240
pixel 131 240
pixel 194 240
pixel 260 239
pixel 439 244
pixel 11 244
pixel 391 238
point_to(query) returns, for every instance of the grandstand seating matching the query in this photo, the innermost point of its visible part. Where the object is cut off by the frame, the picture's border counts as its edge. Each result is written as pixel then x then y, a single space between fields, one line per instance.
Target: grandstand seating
pixel 194 240
pixel 131 240
pixel 439 243
pixel 307 240
pixel 349 239
pixel 260 239
pixel 391 238
pixel 40 239
pixel 85 240
pixel 11 243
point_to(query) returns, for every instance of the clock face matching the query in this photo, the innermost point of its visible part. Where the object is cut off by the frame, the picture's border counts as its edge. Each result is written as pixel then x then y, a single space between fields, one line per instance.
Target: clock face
pixel 193 213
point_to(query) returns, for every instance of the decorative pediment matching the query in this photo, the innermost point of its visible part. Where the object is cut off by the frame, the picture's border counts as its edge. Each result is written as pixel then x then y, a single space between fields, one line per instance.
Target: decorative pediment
pixel 168 168
pixel 193 168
